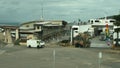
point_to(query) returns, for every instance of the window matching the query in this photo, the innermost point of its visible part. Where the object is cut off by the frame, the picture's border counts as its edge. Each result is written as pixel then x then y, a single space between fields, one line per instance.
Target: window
pixel 111 21
pixel 96 20
pixel 38 27
pixel 27 25
pixel 75 28
pixel 92 22
pixel 38 42
pixel 76 31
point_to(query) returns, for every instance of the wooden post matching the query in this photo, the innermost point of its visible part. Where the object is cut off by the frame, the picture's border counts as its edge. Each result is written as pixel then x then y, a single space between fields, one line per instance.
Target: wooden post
pixel 17 34
pixel 9 38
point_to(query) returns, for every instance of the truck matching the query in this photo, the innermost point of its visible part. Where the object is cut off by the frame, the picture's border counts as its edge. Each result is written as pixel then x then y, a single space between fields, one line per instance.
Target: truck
pixel 116 36
pixel 82 40
pixel 35 43
pixel 91 31
pixel 80 37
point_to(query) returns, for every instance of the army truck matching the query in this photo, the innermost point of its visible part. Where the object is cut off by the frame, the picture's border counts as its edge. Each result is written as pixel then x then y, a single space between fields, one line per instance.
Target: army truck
pixel 82 40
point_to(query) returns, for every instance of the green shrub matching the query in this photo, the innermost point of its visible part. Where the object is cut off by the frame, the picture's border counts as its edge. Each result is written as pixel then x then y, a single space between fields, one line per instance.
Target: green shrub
pixel 17 42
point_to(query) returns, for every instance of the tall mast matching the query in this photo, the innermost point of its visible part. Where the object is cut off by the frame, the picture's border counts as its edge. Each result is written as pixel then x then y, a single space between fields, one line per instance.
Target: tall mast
pixel 105 15
pixel 41 11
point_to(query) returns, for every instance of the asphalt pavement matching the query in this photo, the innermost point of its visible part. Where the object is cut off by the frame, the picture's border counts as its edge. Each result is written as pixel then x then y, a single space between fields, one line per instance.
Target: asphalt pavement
pixel 95 42
pixel 59 57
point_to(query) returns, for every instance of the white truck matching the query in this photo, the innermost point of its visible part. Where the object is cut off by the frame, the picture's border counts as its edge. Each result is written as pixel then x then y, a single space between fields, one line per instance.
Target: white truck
pixel 91 32
pixel 35 43
pixel 116 35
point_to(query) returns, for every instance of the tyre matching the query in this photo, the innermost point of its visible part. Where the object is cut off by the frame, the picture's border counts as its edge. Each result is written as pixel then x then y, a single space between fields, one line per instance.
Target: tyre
pixel 29 46
pixel 38 46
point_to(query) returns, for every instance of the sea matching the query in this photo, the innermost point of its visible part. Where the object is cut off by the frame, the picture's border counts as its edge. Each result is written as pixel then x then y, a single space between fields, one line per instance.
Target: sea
pixel 10 23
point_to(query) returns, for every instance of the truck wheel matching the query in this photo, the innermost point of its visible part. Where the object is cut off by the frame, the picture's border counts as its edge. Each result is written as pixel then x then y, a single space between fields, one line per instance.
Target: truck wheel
pixel 29 46
pixel 38 46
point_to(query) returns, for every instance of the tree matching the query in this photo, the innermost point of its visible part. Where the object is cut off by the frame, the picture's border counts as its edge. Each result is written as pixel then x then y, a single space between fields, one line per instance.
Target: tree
pixel 117 23
pixel 79 20
pixel 117 18
pixel 64 23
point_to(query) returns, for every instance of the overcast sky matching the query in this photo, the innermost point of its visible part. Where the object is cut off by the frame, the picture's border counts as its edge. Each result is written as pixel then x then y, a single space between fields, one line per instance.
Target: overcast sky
pixel 68 10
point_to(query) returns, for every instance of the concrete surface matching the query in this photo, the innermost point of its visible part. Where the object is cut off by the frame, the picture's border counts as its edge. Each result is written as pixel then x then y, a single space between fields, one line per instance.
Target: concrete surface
pixel 95 42
pixel 23 57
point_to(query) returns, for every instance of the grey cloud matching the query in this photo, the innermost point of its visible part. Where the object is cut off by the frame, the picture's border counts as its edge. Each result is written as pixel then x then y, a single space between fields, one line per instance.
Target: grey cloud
pixel 25 10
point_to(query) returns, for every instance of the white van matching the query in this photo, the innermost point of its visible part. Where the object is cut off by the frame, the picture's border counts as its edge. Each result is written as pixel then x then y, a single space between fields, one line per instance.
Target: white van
pixel 35 43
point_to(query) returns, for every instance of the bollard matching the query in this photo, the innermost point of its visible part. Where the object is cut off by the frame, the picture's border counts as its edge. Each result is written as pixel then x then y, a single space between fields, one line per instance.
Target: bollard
pixel 100 57
pixel 53 58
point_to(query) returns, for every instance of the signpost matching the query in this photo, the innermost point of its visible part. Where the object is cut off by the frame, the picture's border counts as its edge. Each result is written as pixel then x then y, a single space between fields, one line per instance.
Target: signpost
pixel 53 58
pixel 100 57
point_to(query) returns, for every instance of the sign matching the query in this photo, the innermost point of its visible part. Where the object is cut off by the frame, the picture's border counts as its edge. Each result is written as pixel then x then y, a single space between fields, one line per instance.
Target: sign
pixel 100 55
pixel 106 25
pixel 107 30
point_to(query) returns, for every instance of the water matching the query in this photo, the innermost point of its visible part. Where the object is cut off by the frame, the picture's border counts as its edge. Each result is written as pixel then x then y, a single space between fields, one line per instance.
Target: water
pixel 12 24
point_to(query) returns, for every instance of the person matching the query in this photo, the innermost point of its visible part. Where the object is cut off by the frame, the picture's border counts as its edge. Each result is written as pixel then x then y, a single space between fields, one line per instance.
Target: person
pixel 108 41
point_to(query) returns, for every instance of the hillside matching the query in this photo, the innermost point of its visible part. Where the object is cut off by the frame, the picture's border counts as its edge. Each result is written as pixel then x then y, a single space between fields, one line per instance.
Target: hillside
pixel 116 17
pixel 12 24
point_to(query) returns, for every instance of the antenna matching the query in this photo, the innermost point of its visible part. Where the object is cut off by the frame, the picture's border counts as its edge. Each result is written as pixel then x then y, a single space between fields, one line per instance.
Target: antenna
pixel 41 11
pixel 105 15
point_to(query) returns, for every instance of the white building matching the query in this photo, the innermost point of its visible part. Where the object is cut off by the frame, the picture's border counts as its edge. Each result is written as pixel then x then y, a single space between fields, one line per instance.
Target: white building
pixel 76 29
pixel 100 24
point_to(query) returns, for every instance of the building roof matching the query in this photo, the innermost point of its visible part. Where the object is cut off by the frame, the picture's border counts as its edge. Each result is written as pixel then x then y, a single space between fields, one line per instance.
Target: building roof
pixel 43 22
pixel 31 22
pixel 51 25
